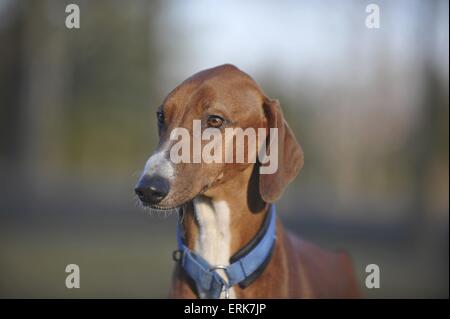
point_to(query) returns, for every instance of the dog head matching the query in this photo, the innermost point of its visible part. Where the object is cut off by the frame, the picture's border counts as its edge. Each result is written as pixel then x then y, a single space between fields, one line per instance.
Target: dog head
pixel 212 103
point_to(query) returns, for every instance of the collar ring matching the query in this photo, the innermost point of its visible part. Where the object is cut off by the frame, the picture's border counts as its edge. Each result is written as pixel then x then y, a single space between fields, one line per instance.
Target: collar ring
pixel 225 284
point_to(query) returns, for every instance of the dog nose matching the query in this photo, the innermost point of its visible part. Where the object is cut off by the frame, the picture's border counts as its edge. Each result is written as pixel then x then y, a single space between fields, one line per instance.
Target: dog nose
pixel 152 189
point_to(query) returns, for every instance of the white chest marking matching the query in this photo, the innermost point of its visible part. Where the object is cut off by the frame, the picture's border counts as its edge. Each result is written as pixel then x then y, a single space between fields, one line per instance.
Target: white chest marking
pixel 213 242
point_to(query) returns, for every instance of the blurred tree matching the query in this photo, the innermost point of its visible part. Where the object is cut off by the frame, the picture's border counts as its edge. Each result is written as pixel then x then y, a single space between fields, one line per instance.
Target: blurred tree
pixel 430 140
pixel 73 100
pixel 11 31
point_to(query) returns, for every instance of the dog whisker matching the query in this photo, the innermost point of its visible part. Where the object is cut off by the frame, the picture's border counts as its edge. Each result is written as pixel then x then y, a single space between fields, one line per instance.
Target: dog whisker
pixel 160 212
pixel 136 173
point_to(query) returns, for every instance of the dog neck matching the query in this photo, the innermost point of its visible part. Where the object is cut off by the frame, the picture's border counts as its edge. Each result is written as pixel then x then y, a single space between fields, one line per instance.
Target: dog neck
pixel 223 220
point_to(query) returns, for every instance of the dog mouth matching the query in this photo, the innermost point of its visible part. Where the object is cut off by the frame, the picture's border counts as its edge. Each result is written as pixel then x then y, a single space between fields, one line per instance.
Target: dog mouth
pixel 174 206
pixel 211 184
pixel 159 207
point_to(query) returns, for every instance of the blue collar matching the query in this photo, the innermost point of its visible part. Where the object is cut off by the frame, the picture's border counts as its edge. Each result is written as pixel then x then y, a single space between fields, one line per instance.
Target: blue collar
pixel 239 271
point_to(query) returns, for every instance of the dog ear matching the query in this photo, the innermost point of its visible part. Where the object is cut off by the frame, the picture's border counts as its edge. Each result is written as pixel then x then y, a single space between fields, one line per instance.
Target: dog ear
pixel 290 154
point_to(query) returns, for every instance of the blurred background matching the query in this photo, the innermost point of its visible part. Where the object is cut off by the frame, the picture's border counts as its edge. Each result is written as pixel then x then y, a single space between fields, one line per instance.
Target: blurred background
pixel 77 123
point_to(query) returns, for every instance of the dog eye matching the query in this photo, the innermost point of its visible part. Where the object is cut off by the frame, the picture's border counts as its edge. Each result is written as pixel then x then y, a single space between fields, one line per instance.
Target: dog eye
pixel 160 117
pixel 215 121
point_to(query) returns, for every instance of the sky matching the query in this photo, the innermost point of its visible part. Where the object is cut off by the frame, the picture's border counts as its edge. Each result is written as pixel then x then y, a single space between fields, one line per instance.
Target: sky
pixel 297 38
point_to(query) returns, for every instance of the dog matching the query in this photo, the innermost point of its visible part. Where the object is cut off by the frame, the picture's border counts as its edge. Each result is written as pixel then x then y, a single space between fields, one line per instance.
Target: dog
pixel 231 244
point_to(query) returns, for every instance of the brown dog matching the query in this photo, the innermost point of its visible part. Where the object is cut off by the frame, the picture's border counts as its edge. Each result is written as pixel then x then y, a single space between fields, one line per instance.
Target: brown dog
pixel 224 206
